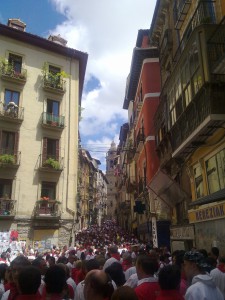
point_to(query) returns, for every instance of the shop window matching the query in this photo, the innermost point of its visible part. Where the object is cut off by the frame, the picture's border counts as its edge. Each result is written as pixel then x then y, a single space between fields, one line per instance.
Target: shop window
pixel 48 189
pixel 198 180
pixel 215 170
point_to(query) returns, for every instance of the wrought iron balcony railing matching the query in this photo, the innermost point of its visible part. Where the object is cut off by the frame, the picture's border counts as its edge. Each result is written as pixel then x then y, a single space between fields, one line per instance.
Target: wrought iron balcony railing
pixel 53 121
pixel 208 103
pixel 54 83
pixel 202 15
pixel 47 208
pixel 7 207
pixel 216 49
pixel 8 72
pixel 11 113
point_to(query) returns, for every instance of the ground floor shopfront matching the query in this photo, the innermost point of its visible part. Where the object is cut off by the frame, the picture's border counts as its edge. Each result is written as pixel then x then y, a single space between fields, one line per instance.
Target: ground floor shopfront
pixel 40 235
pixel 182 237
pixel 209 225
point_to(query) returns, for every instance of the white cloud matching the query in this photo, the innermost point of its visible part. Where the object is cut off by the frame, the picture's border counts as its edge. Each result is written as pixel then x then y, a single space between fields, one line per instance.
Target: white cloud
pixel 107 30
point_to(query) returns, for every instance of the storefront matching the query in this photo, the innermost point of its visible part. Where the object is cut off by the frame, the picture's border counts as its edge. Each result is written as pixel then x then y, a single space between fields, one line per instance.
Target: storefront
pixel 182 237
pixel 209 223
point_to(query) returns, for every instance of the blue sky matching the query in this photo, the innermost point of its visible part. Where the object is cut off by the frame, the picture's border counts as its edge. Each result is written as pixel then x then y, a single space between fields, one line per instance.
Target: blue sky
pixel 107 31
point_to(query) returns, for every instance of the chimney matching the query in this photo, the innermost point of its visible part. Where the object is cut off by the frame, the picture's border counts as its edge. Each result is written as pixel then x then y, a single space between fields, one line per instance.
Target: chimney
pixel 17 24
pixel 57 39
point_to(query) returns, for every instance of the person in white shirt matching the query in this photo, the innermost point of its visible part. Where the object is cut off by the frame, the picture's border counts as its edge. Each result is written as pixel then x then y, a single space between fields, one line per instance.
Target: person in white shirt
pixel 218 275
pixel 202 285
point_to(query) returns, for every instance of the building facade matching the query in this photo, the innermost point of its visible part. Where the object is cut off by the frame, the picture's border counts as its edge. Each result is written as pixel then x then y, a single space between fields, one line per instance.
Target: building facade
pixel 40 90
pixel 190 119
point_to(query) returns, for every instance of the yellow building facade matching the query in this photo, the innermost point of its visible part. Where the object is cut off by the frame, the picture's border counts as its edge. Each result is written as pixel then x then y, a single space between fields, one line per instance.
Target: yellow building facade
pixel 40 90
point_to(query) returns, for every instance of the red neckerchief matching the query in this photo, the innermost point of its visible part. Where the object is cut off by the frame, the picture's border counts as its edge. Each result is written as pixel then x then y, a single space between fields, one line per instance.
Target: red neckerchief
pixel 13 292
pixel 221 267
pixel 116 256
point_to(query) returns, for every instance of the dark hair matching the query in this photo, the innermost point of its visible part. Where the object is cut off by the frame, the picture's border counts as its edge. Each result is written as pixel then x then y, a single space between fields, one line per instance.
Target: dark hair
pixel 82 256
pixel 92 264
pixel 3 268
pixel 62 260
pixel 55 279
pixel 179 257
pixel 3 255
pixel 37 262
pixel 115 271
pixel 29 280
pixel 124 293
pixel 148 264
pixel 169 277
pixel 204 252
pixel 20 261
pixel 52 259
pixel 215 251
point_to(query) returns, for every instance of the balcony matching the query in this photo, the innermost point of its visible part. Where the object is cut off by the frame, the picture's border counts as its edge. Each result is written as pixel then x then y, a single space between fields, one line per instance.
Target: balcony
pixel 9 160
pixel 50 163
pixel 47 209
pixel 201 118
pixel 140 139
pixel 166 46
pixel 216 49
pixel 54 122
pixel 180 12
pixel 54 84
pixel 7 208
pixel 202 15
pixel 13 114
pixel 8 73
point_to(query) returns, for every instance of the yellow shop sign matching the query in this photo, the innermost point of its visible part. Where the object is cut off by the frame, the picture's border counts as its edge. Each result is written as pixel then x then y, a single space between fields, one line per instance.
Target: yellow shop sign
pixel 208 213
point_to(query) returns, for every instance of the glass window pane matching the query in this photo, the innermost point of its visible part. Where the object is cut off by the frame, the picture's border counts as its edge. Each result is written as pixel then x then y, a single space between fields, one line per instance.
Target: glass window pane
pixel 221 168
pixel 212 175
pixel 198 181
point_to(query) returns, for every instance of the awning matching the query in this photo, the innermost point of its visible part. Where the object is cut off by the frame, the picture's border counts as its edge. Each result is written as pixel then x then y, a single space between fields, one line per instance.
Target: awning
pixel 167 189
pixel 214 197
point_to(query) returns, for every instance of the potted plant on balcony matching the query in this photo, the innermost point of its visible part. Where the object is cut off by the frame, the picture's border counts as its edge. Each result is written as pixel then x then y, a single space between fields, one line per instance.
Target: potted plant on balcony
pixel 53 79
pixel 7 159
pixel 52 163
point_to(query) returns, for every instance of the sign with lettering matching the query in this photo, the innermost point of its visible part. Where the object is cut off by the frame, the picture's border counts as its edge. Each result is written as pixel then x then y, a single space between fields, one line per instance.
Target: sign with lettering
pixel 207 213
pixel 182 233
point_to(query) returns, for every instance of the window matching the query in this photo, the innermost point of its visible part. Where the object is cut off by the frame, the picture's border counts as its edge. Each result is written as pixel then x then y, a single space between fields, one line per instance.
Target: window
pixel 8 143
pixel 12 96
pixel 16 62
pixel 48 189
pixel 198 180
pixel 215 170
pixel 53 107
pixel 5 188
pixel 50 149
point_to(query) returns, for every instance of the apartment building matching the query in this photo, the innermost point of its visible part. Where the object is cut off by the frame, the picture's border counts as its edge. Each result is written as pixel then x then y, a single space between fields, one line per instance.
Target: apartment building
pixel 41 82
pixel 190 119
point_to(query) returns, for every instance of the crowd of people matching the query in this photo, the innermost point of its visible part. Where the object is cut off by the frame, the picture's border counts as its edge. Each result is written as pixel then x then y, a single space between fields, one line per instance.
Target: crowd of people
pixel 107 263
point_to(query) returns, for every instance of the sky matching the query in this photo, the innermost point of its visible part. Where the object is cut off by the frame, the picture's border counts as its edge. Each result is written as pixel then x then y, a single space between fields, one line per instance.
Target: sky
pixel 106 30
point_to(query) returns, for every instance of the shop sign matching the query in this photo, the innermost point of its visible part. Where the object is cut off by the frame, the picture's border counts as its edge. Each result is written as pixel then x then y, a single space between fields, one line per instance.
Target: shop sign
pixel 208 213
pixel 182 233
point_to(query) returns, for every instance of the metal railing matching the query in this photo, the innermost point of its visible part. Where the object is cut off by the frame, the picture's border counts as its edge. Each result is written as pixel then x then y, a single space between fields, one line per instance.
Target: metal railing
pixel 53 120
pixel 209 100
pixel 47 208
pixel 11 112
pixel 54 82
pixel 7 70
pixel 216 46
pixel 202 15
pixel 7 207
